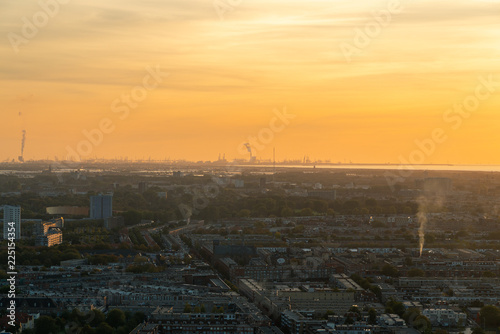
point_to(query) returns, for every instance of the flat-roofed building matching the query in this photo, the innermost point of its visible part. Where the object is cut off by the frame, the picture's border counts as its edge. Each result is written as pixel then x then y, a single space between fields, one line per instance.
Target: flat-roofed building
pixel 11 221
pixel 51 238
pixel 320 300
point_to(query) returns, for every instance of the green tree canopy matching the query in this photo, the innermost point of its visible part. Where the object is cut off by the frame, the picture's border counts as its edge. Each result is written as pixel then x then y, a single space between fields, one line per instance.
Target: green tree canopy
pixel 415 272
pixel 116 318
pixel 490 316
pixel 390 270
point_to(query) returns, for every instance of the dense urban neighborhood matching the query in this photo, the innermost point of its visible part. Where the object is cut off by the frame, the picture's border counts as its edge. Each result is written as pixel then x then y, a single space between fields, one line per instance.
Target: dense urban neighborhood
pixel 147 248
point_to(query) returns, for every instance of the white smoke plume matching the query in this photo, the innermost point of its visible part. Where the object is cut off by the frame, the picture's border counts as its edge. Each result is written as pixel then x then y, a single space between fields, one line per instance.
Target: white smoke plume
pixel 432 200
pixel 422 221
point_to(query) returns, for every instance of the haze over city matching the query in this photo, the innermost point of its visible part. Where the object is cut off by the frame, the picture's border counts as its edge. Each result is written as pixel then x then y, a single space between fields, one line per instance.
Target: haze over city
pixel 250 167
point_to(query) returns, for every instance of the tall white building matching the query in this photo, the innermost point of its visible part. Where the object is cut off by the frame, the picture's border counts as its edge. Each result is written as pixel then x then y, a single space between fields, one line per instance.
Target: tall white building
pixel 11 214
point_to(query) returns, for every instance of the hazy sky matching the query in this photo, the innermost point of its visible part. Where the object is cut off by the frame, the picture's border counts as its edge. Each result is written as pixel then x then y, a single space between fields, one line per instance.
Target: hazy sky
pixel 227 73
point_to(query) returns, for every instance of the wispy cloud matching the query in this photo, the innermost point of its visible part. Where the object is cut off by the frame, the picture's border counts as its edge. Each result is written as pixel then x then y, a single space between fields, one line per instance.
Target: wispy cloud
pixel 266 53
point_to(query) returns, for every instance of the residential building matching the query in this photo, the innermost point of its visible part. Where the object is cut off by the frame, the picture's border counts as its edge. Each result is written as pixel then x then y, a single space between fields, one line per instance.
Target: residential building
pixel 445 317
pixel 101 206
pixel 320 300
pixel 11 214
pixel 51 238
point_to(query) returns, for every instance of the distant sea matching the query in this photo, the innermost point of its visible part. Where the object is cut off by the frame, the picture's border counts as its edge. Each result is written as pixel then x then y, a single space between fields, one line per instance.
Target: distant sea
pixel 136 168
pixel 464 168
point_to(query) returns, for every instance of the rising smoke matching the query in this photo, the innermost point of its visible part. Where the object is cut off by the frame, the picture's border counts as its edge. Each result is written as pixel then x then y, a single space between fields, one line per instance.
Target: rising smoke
pixel 432 199
pixel 23 141
pixel 422 220
pixel 249 149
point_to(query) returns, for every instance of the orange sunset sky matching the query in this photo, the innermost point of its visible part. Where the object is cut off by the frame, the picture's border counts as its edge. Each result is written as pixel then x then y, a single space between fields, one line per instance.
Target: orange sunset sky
pixel 229 71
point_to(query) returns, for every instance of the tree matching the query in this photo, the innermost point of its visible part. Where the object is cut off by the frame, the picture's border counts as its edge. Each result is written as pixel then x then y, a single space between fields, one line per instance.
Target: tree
pixel 139 317
pixel 132 217
pixel 286 212
pixel 3 274
pixel 372 316
pixel 97 317
pixel 327 314
pixel 305 212
pixel 441 331
pixel 476 303
pixel 46 325
pixel 116 318
pixel 422 324
pixel 259 224
pixel 187 308
pixel 390 270
pixel 350 206
pixel 122 330
pixel 244 213
pixel 430 238
pixel 354 309
pixel 478 330
pixel 488 274
pixel 416 272
pixel 104 328
pixel 490 316
pixel 376 290
pixel 410 315
pixel 393 306
pixel 87 330
pixel 320 206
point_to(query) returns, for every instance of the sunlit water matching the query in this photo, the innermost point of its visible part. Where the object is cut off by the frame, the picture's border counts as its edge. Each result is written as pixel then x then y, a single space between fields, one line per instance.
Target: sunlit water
pixel 470 168
pixel 235 167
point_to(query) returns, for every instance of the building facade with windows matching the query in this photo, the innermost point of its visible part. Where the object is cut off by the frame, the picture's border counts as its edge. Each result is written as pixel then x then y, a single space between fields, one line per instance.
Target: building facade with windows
pixel 101 206
pixel 11 214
